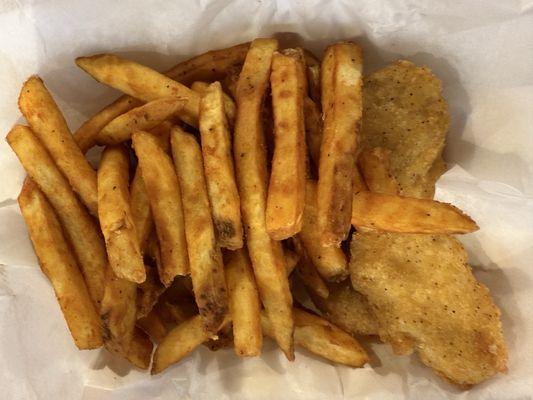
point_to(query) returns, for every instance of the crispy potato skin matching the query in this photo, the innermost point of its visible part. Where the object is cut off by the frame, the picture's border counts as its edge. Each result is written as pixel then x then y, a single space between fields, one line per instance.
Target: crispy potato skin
pixel 426 299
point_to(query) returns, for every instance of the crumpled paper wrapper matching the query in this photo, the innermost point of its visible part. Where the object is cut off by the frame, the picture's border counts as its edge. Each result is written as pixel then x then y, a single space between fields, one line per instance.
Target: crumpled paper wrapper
pixel 482 51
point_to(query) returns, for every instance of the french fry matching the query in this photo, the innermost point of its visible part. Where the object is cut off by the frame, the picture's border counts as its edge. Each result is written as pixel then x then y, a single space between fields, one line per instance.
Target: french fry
pixel 153 326
pixel 205 257
pixel 164 194
pixel 375 168
pixel 359 184
pixel 140 82
pixel 313 82
pixel 266 254
pixel 49 125
pixel 291 260
pixel 79 227
pixel 60 267
pixel 149 291
pixel 408 215
pixel 323 338
pixel 180 342
pixel 85 135
pixel 140 349
pixel 342 108
pixel 244 304
pixel 286 191
pixel 115 215
pixel 230 81
pixel 219 171
pixel 118 313
pixel 141 118
pixel 329 261
pixel 230 109
pixel 313 131
pixel 308 273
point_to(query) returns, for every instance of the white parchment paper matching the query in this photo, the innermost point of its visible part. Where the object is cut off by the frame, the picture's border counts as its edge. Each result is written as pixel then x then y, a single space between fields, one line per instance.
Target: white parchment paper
pixel 483 52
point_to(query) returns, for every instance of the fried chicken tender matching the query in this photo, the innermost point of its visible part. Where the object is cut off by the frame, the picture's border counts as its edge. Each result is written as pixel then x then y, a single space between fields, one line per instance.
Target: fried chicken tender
pixel 426 299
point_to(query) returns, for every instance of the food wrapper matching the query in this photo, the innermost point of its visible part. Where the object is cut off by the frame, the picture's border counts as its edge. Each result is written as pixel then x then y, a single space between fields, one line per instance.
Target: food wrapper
pixel 482 51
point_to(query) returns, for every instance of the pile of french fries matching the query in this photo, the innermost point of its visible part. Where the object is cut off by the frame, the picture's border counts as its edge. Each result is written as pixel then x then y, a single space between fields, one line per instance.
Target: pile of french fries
pixel 188 233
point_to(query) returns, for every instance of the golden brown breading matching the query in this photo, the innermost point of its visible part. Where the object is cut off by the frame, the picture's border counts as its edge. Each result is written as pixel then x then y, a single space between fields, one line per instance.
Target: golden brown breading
pixel 426 298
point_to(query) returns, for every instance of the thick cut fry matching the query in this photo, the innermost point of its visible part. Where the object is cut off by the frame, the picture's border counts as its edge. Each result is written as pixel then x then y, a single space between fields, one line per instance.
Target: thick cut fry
pixel 164 194
pixel 141 118
pixel 140 350
pixel 118 313
pixel 322 338
pixel 149 291
pixel 49 125
pixel 140 82
pixel 60 267
pixel 249 150
pixel 179 342
pixel 85 136
pixel 153 325
pixel 408 215
pixel 205 257
pixel 308 273
pixel 229 107
pixel 115 215
pixel 342 108
pixel 329 261
pixel 358 183
pixel 244 304
pixel 218 168
pixel 313 131
pixel 286 191
pixel 375 168
pixel 79 227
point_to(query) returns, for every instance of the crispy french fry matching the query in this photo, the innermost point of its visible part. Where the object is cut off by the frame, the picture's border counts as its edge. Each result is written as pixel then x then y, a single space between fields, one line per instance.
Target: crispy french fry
pixel 329 261
pixel 79 227
pixel 219 171
pixel 59 265
pixel 115 215
pixel 140 82
pixel 313 131
pixel 163 191
pixel 408 215
pixel 286 191
pixel 266 254
pixel 153 326
pixel 323 338
pixel 359 184
pixel 244 304
pixel 230 109
pixel 118 313
pixel 307 271
pixel 205 257
pixel 149 291
pixel 342 108
pixel 49 125
pixel 85 136
pixel 140 349
pixel 375 168
pixel 145 117
pixel 291 259
pixel 180 342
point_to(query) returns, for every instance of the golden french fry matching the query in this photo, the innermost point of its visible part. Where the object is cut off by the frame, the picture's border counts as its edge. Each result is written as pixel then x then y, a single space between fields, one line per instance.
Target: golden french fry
pixel 115 215
pixel 286 191
pixel 408 215
pixel 205 257
pixel 323 338
pixel 60 267
pixel 85 136
pixel 307 271
pixel 118 313
pixel 140 82
pixel 329 261
pixel 291 260
pixel 80 228
pixel 229 107
pixel 141 118
pixel 375 168
pixel 244 304
pixel 153 325
pixel 313 130
pixel 219 171
pixel 163 191
pixel 149 291
pixel 179 342
pixel 342 108
pixel 49 125
pixel 359 184
pixel 250 164
pixel 140 350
